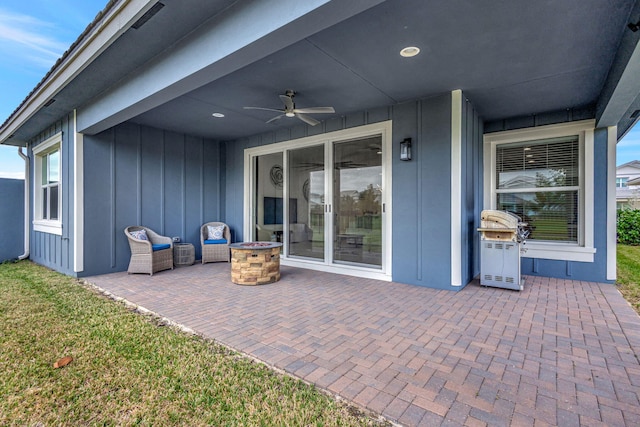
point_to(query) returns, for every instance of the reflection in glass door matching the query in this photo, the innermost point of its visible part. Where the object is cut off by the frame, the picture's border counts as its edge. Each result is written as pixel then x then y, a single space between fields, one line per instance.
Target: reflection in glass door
pixel 357 202
pixel 268 201
pixel 306 192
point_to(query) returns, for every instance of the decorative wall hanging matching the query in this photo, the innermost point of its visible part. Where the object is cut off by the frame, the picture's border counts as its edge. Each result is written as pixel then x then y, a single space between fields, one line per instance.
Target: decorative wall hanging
pixel 276 175
pixel 305 189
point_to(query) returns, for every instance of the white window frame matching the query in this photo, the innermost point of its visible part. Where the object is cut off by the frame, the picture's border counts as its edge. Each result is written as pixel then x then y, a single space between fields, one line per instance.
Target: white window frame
pixel 583 250
pixel 39 152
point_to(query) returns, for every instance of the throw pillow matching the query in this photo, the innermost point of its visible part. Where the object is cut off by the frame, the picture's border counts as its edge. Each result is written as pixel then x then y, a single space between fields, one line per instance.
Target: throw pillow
pixel 139 234
pixel 215 232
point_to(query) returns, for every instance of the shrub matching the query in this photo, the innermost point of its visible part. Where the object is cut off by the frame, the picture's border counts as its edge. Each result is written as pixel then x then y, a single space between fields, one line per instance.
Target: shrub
pixel 628 226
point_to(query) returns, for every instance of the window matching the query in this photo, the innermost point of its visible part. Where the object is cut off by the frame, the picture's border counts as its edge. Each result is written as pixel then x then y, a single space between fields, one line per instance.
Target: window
pixel 50 172
pixel 539 181
pixel 47 186
pixel 545 176
pixel 621 182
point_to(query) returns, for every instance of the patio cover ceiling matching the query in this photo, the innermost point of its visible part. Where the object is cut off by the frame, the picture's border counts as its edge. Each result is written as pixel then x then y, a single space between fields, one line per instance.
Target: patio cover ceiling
pixel 511 58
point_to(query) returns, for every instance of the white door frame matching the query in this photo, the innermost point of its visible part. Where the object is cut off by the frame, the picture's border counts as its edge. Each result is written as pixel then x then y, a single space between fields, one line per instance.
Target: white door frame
pixel 384 129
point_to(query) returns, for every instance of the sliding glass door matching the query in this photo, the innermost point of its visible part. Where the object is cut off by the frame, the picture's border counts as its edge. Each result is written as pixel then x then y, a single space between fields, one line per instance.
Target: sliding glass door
pixel 357 201
pixel 268 205
pixel 324 199
pixel 306 192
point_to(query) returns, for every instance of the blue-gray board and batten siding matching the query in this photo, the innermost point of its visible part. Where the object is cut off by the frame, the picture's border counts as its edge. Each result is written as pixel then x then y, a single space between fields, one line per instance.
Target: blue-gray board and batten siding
pixel 421 187
pixel 173 183
pixel 11 218
pixel 52 250
pixel 136 175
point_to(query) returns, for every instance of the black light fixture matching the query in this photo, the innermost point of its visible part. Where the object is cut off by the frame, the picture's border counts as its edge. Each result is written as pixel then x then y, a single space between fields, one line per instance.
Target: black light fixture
pixel 634 27
pixel 405 149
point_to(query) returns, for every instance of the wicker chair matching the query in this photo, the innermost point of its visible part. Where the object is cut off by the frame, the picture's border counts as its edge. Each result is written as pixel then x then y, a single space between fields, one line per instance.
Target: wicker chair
pixel 143 258
pixel 213 252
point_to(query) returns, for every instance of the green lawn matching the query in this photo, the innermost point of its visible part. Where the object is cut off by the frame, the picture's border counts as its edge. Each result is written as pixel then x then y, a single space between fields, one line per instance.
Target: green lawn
pixel 629 274
pixel 129 369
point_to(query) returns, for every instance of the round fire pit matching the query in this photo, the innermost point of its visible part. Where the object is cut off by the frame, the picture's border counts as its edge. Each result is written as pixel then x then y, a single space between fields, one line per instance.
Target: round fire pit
pixel 255 263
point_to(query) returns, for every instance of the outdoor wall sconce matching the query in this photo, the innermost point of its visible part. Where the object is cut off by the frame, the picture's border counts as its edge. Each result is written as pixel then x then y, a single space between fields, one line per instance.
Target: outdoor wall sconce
pixel 405 149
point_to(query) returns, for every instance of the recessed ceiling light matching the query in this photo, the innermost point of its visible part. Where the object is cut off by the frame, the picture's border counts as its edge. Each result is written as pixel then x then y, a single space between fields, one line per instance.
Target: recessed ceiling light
pixel 410 51
pixel 219 115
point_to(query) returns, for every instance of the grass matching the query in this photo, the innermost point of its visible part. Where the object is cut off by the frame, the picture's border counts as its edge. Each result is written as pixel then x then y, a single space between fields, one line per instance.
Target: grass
pixel 629 274
pixel 129 369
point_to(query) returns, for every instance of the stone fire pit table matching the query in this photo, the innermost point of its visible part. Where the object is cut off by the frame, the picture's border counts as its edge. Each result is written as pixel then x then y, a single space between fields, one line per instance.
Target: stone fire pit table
pixel 255 263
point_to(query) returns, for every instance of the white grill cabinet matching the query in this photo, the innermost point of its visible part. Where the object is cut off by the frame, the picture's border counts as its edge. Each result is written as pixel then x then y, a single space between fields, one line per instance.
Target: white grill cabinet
pixel 502 235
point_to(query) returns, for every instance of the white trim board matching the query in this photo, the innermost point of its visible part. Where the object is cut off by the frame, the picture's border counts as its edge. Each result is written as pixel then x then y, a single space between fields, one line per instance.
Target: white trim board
pixel 612 140
pixel 456 188
pixel 45 225
pixel 78 198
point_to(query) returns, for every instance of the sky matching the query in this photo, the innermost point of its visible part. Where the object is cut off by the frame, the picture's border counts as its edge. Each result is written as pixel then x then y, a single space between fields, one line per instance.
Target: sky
pixel 35 33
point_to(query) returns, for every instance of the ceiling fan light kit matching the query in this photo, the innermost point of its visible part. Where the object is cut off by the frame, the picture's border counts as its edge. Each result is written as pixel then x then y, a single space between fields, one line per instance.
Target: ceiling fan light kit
pixel 290 110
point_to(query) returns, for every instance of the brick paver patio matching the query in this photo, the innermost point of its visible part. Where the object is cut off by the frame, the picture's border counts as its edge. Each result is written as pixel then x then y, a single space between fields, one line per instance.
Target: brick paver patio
pixel 558 353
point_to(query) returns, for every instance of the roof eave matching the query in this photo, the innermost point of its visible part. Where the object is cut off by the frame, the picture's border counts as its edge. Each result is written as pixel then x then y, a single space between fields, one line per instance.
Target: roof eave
pixel 116 18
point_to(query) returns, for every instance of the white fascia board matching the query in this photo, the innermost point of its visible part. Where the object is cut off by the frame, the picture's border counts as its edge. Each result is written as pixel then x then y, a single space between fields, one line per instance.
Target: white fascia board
pixel 115 22
pixel 243 34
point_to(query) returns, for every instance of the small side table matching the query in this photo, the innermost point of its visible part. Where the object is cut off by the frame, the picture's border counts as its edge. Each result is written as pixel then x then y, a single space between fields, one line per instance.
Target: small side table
pixel 183 254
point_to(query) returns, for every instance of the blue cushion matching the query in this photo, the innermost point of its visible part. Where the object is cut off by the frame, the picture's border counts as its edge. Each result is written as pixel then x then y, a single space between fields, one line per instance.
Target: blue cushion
pixel 160 246
pixel 216 242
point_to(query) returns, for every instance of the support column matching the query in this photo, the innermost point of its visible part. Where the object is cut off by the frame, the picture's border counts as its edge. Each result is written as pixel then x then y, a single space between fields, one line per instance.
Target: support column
pixel 78 198
pixel 612 140
pixel 456 188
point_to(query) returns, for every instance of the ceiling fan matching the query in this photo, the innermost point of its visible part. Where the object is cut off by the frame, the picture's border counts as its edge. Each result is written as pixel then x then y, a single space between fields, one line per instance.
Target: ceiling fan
pixel 290 110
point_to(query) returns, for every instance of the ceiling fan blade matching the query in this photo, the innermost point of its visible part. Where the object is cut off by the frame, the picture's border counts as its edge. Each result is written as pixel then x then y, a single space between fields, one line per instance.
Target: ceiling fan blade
pixel 264 109
pixel 315 110
pixel 275 118
pixel 288 102
pixel 308 120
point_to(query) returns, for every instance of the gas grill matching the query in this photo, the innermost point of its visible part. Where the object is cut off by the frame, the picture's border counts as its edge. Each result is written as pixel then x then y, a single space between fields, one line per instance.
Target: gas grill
pixel 502 237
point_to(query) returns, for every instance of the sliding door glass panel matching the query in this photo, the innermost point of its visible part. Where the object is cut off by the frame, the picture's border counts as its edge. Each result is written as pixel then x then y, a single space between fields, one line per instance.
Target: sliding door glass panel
pixel 357 202
pixel 306 202
pixel 269 207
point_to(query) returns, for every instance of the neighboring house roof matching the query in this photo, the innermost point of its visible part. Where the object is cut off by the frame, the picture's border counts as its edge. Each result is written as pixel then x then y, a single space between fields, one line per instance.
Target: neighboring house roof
pixel 631 164
pixel 196 57
pixel 626 192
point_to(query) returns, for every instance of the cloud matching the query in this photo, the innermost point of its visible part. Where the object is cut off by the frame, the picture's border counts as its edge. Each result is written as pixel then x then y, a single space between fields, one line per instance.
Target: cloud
pixel 26 38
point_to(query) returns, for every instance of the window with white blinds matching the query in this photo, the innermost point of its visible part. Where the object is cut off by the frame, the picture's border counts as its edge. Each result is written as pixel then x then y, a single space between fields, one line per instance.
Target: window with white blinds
pixel 539 181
